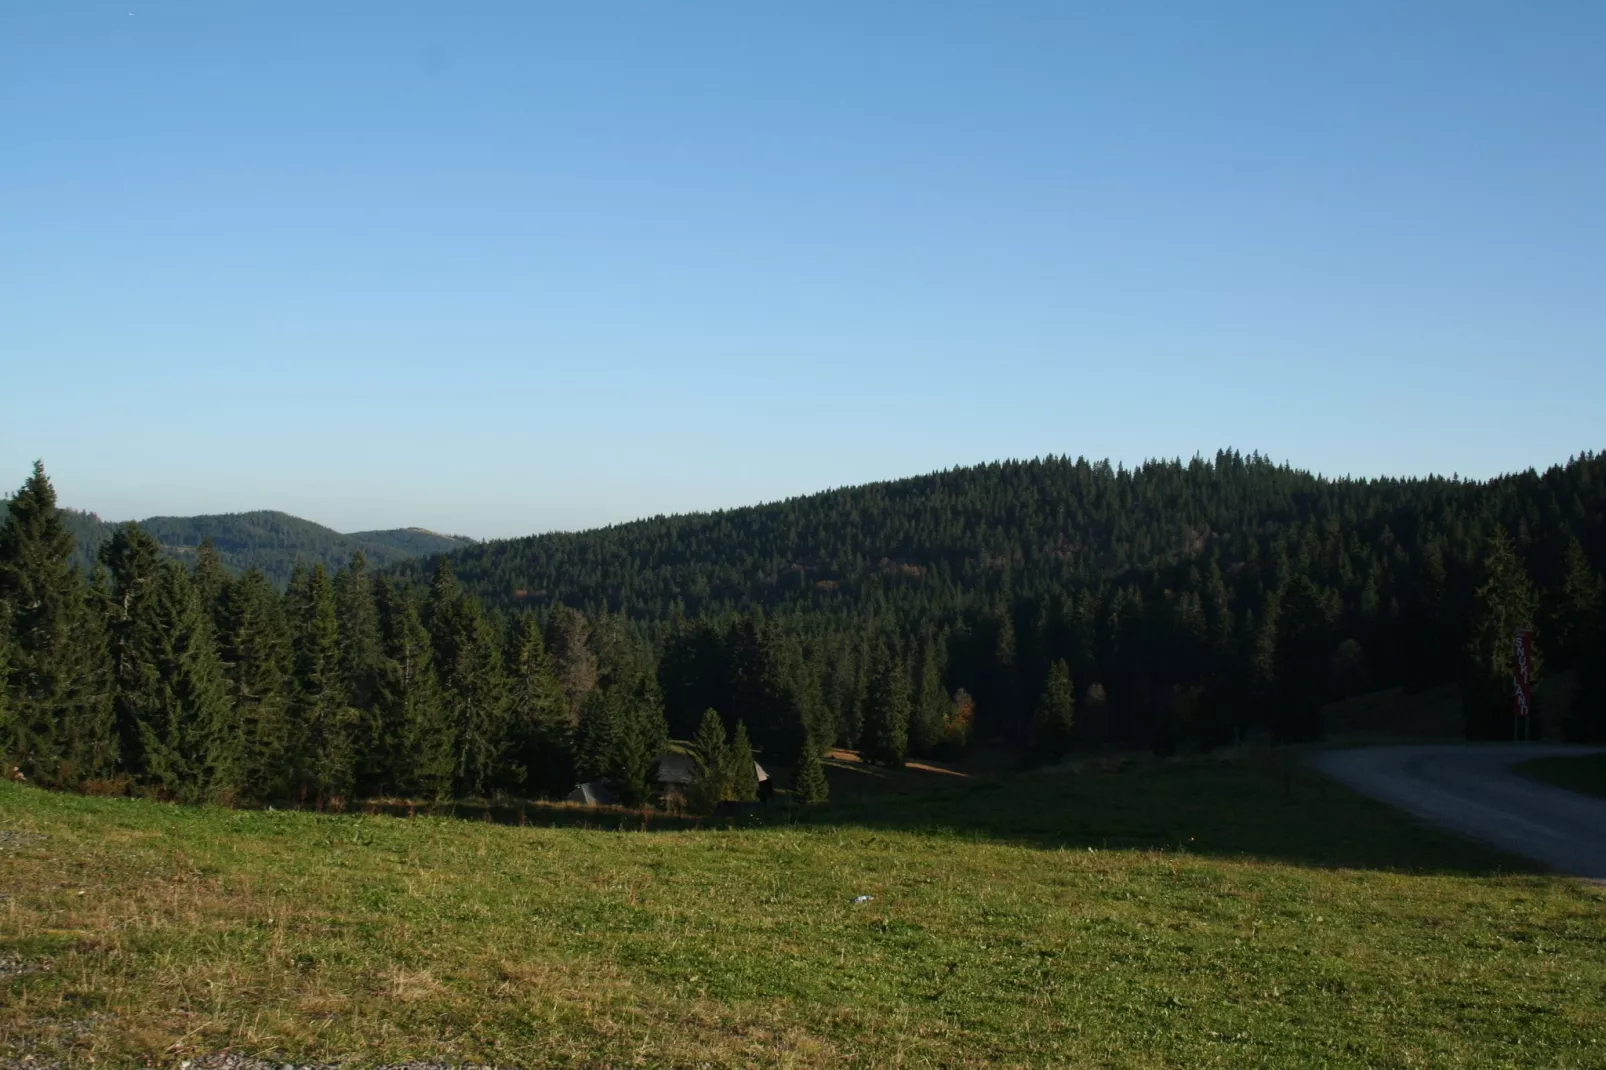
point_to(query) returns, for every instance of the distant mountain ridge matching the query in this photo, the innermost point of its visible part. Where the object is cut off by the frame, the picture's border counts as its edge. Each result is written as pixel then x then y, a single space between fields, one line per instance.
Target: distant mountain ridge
pixel 267 539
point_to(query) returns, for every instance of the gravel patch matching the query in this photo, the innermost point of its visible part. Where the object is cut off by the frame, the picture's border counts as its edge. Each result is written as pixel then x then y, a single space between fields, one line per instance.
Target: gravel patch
pixel 11 839
pixel 17 966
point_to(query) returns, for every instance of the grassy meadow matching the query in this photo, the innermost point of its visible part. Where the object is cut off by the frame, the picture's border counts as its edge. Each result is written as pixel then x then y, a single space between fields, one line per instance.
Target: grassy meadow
pixel 1226 912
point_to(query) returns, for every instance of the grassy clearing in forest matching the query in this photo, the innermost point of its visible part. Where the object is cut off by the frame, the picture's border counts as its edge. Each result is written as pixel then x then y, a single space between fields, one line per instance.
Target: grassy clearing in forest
pixel 1194 913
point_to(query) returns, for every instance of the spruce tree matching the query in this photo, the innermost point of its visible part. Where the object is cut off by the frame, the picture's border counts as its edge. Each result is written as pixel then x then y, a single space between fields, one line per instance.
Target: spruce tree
pixel 1055 715
pixel 1576 606
pixel 357 616
pixel 633 772
pixel 416 733
pixel 10 728
pixel 184 724
pixel 254 645
pixel 742 775
pixel 771 689
pixel 1262 668
pixel 133 561
pixel 211 581
pixel 884 739
pixel 468 663
pixel 322 761
pixel 59 679
pixel 1504 604
pixel 809 783
pixel 540 734
pixel 712 785
pixel 640 734
pixel 95 736
pixel 595 738
pixel 931 704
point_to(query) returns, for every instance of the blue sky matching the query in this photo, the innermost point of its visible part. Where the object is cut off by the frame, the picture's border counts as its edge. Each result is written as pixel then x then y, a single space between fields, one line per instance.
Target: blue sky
pixel 497 268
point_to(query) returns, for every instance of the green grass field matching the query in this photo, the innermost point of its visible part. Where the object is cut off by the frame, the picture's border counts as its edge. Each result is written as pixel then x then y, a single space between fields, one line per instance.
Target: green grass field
pixel 1232 913
pixel 1586 773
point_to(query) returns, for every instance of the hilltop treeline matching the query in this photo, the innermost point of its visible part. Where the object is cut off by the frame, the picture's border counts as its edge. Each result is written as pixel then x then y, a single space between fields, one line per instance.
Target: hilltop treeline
pixel 1053 604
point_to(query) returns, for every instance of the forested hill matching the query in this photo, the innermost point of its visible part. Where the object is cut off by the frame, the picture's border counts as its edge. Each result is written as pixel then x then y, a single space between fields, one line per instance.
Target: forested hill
pixel 1174 601
pixel 269 540
pixel 1014 529
pixel 1052 604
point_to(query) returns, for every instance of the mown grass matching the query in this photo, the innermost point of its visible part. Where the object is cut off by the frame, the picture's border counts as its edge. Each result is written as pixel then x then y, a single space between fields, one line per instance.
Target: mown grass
pixel 1189 914
pixel 1585 773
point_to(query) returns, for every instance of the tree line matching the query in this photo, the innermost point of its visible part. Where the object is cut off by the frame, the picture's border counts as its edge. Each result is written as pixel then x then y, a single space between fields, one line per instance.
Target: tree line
pixel 1048 605
pixel 196 684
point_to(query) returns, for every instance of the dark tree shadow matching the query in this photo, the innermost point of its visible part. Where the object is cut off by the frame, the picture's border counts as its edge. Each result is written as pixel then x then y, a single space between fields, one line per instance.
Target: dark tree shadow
pixel 1266 805
pixel 1263 805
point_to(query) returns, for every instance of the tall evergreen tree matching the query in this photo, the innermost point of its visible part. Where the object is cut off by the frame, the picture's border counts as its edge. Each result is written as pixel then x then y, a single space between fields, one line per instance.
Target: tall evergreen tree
pixel 59 680
pixel 10 728
pixel 211 581
pixel 184 724
pixel 540 735
pixel 884 739
pixel 361 657
pixel 323 763
pixel 1055 715
pixel 769 686
pixel 931 704
pixel 358 618
pixel 1262 642
pixel 133 560
pixel 468 663
pixel 1505 604
pixel 615 650
pixel 595 738
pixel 416 732
pixel 741 772
pixel 1575 608
pixel 809 783
pixel 640 734
pixel 254 645
pixel 712 785
pixel 633 772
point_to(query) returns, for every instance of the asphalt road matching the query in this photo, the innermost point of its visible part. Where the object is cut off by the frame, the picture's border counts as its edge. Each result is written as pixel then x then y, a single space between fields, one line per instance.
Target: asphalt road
pixel 1470 788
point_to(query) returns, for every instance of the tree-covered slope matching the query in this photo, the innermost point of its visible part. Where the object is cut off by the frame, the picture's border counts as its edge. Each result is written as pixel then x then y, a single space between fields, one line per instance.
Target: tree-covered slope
pixel 274 541
pixel 1180 600
pixel 265 539
pixel 1015 527
pixel 411 542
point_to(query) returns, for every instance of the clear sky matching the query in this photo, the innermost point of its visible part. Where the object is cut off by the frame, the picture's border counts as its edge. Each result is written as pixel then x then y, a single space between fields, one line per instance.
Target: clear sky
pixel 496 268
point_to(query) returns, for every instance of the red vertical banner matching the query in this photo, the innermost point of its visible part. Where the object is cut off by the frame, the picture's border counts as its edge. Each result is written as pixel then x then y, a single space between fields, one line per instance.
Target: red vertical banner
pixel 1523 693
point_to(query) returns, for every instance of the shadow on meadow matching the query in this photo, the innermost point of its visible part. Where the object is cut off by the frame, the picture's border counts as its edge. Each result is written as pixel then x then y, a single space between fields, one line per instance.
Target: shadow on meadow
pixel 1258 803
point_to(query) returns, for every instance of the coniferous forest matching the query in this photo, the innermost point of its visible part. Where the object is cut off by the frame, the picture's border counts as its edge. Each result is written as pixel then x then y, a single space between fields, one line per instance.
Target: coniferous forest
pixel 1050 606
